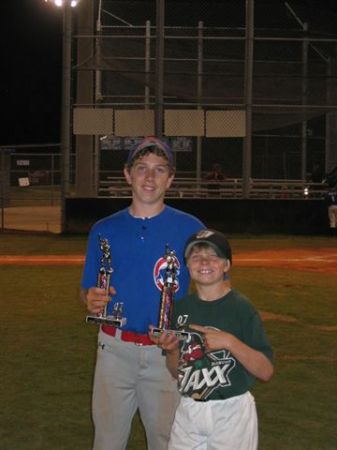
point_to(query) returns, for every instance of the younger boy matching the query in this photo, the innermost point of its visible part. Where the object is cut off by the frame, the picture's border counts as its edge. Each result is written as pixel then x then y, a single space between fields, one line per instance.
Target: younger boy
pixel 220 360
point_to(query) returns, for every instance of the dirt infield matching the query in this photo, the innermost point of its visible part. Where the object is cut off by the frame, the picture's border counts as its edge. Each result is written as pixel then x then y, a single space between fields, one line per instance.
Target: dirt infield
pixel 323 260
pixel 320 260
pixel 41 260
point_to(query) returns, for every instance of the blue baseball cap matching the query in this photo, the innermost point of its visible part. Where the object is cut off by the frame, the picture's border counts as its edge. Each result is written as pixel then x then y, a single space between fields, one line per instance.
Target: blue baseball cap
pixel 148 142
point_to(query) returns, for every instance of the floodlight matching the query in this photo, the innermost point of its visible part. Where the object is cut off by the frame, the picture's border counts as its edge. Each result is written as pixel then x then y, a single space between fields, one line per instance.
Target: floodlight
pixel 60 3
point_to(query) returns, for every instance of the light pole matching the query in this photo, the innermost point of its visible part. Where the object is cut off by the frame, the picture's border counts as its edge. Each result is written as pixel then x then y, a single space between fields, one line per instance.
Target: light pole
pixel 65 110
pixel 160 31
pixel 66 6
pixel 248 87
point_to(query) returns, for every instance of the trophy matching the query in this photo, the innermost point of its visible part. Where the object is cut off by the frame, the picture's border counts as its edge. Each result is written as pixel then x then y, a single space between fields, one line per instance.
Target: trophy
pixel 167 298
pixel 103 281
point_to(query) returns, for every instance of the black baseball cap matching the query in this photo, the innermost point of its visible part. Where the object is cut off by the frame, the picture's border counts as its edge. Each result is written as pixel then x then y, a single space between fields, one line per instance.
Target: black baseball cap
pixel 214 239
pixel 151 141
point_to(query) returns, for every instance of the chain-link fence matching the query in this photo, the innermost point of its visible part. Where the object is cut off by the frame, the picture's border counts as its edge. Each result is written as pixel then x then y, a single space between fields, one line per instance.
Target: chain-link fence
pixel 252 90
pixel 30 179
pixel 30 188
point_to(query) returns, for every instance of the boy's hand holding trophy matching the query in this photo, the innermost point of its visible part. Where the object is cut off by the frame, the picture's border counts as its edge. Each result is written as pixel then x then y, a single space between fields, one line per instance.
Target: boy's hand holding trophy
pixel 167 298
pixel 103 282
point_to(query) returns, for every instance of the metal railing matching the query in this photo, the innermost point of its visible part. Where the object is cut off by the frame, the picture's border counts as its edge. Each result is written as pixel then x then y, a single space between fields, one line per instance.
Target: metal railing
pixel 229 188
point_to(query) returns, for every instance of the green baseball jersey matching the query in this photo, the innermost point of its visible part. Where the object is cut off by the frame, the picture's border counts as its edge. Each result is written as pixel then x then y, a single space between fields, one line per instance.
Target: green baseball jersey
pixel 217 375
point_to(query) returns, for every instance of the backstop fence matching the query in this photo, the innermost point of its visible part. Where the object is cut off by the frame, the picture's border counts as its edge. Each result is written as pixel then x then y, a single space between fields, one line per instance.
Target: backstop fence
pixel 251 88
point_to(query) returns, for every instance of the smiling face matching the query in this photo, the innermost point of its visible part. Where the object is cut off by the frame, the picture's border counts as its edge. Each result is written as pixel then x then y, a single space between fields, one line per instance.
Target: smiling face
pixel 206 267
pixel 150 176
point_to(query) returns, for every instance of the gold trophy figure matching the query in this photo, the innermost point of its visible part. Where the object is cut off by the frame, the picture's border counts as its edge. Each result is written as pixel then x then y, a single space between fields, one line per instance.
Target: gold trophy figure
pixel 167 297
pixel 103 282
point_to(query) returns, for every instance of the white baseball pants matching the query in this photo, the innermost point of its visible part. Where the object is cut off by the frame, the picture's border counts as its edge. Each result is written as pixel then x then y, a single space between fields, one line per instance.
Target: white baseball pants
pixel 215 425
pixel 128 377
pixel 332 211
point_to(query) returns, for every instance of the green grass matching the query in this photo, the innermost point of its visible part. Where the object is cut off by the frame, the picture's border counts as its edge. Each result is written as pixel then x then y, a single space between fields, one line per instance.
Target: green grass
pixel 252 242
pixel 19 243
pixel 297 408
pixel 290 292
pixel 41 244
pixel 48 352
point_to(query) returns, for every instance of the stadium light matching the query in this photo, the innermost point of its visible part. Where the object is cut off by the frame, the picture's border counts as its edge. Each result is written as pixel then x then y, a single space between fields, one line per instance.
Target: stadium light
pixel 60 3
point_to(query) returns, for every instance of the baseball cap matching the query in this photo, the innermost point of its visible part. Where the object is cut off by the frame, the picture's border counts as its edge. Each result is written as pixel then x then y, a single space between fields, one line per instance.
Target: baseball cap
pixel 214 239
pixel 151 141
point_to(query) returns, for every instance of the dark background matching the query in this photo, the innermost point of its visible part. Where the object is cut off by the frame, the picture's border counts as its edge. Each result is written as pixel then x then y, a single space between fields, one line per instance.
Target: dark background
pixel 31 70
pixel 31 52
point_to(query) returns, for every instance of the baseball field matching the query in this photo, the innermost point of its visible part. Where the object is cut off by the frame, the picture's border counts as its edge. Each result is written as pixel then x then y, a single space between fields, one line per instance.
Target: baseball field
pixel 48 352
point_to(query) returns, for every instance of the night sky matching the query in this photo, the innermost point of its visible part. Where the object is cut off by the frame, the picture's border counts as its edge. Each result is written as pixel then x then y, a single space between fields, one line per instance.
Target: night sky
pixel 30 80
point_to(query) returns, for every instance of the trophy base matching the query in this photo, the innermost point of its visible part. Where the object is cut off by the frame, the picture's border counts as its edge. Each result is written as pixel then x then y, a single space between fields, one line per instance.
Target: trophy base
pixel 107 320
pixel 181 335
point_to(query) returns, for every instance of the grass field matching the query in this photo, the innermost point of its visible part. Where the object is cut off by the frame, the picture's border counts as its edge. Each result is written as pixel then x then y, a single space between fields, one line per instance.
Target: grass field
pixel 48 352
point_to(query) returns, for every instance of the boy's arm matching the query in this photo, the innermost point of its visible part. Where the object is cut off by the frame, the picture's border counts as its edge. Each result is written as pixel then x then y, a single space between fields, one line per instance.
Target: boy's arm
pixel 253 360
pixel 172 358
pixel 169 343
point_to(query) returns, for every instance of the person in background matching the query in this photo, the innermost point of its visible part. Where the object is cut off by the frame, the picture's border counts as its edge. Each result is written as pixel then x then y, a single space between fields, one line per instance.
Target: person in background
pixel 215 176
pixel 130 371
pixel 331 202
pixel 218 363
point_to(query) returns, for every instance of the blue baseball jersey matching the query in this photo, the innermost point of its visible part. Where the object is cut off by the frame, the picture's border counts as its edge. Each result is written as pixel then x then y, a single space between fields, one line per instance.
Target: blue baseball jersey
pixel 137 248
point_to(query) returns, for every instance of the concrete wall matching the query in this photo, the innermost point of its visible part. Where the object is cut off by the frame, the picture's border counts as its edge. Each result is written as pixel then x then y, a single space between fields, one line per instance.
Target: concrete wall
pixel 231 216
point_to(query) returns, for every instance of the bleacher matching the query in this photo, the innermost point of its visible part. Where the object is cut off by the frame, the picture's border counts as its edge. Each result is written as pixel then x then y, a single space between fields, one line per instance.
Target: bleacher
pixel 191 187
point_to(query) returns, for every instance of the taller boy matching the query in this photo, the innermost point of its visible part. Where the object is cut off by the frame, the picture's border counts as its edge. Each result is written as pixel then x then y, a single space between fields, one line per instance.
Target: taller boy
pixel 130 371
